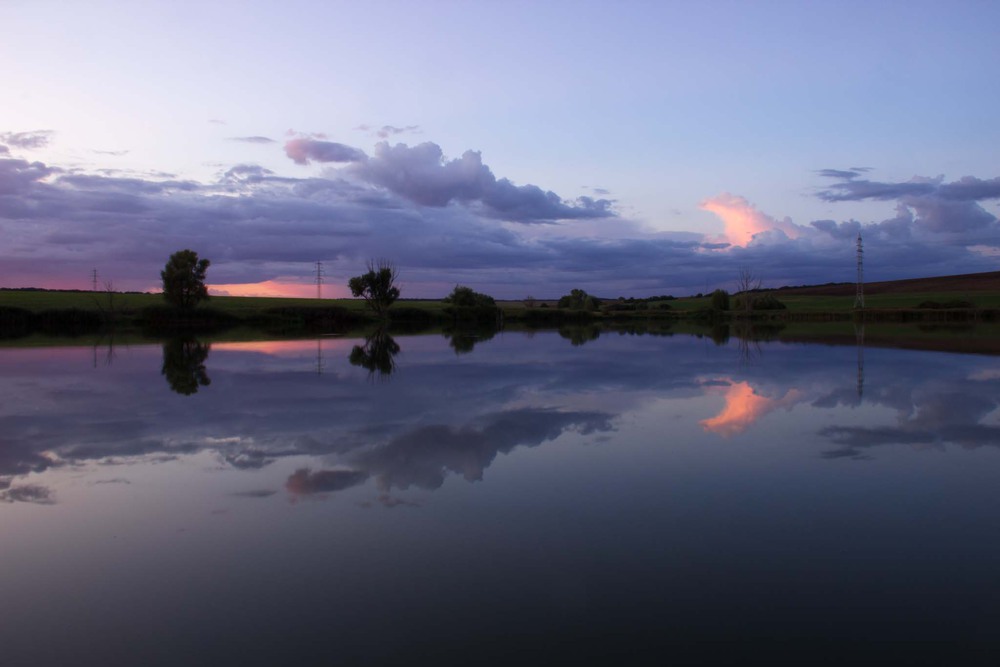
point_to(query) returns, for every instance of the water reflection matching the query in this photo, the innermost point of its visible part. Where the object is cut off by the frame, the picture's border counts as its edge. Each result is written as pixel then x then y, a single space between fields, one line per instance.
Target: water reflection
pixel 454 419
pixel 184 365
pixel 634 484
pixel 464 341
pixel 580 334
pixel 744 407
pixel 377 354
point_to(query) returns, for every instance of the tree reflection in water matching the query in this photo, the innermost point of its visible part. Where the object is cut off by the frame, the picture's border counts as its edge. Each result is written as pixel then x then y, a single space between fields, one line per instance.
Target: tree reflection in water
pixel 184 364
pixel 377 355
pixel 464 341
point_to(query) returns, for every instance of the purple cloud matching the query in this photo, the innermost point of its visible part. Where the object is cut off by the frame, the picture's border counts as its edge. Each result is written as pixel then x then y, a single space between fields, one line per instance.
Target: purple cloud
pixel 441 221
pixel 29 493
pixel 422 175
pixel 841 173
pixel 18 175
pixel 929 203
pixel 27 140
pixel 304 482
pixel 304 149
pixel 253 140
pixel 389 130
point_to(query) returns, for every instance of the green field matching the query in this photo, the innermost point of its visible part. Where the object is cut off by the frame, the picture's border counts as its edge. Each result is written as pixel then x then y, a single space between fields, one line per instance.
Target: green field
pixel 126 304
pixel 39 300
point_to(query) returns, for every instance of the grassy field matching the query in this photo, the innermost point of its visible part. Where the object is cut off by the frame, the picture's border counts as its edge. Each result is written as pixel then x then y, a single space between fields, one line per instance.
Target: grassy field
pixel 247 307
pixel 36 301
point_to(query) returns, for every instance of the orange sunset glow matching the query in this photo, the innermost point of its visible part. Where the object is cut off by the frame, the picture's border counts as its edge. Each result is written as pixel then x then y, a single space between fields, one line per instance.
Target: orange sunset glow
pixel 275 288
pixel 286 348
pixel 744 407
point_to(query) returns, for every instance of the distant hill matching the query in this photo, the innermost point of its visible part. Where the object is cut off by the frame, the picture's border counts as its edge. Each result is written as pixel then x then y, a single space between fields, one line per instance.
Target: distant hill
pixel 969 282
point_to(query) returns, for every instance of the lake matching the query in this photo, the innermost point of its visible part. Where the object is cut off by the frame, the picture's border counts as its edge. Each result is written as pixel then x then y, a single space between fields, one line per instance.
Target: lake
pixel 520 499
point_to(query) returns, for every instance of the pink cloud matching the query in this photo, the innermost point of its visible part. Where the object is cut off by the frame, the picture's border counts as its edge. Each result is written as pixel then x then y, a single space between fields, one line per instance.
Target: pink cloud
pixel 744 407
pixel 743 221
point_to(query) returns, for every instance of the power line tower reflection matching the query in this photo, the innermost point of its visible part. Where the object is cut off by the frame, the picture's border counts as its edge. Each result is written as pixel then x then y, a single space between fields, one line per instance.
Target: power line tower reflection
pixel 859 335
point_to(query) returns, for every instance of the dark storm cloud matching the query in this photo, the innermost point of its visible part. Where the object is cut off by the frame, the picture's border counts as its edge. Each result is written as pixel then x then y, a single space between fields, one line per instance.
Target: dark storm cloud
pixel 27 140
pixel 253 140
pixel 304 149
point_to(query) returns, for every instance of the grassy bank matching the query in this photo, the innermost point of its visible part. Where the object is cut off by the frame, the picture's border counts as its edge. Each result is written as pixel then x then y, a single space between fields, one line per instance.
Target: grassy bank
pixel 75 312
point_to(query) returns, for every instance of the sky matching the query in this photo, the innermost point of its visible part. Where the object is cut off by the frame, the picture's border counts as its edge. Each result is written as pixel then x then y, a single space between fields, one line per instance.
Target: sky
pixel 519 148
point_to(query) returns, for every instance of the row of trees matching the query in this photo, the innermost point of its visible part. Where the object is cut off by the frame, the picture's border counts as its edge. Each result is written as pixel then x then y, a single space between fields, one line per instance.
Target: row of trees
pixel 184 282
pixel 184 287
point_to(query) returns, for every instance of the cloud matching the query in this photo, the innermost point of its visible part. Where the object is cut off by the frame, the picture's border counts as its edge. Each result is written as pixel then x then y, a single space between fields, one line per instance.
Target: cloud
pixel 423 457
pixel 27 140
pixel 4 150
pixel 744 407
pixel 422 175
pixel 260 493
pixel 444 221
pixel 304 482
pixel 848 174
pixel 927 204
pixel 743 221
pixel 388 130
pixel 253 140
pixel 304 149
pixel 29 493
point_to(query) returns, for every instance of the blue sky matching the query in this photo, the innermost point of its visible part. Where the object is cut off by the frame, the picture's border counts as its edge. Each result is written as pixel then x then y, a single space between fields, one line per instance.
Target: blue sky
pixel 629 148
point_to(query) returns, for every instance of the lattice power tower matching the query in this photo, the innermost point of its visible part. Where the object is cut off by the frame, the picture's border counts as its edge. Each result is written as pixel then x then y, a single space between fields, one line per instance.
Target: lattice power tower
pixel 859 295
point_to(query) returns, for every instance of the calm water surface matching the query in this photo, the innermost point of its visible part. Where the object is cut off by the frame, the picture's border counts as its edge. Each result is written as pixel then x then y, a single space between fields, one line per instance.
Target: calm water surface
pixel 518 500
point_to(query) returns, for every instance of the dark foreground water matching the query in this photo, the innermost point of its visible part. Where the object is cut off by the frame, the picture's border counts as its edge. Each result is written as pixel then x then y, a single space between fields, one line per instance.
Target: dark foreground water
pixel 633 500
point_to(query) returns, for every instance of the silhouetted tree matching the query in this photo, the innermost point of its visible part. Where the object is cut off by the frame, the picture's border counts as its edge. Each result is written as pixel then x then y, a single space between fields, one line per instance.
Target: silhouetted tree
pixel 579 300
pixel 720 300
pixel 184 279
pixel 746 283
pixel 184 365
pixel 377 287
pixel 465 297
